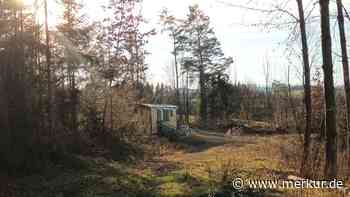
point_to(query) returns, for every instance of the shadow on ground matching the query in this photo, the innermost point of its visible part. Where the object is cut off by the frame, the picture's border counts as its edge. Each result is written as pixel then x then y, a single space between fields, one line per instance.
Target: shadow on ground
pixel 203 140
pixel 100 178
pixel 184 175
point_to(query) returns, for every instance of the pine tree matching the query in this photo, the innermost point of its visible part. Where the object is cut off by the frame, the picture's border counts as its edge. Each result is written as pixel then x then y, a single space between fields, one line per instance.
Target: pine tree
pixel 174 27
pixel 205 55
pixel 19 120
pixel 121 52
pixel 73 37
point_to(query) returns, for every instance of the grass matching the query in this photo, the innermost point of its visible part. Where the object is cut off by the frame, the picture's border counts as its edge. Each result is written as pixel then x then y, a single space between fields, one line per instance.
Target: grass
pixel 247 157
pixel 100 178
pixel 196 166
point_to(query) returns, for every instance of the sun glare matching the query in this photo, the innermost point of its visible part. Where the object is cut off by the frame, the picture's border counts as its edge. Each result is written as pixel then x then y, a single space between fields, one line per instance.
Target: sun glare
pixel 29 2
pixel 53 10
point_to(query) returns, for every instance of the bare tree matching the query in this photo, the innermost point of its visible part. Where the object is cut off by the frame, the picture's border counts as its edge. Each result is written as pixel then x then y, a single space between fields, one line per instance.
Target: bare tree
pixel 266 71
pixel 345 62
pixel 331 128
pixel 290 97
pixel 307 88
pixel 294 20
pixel 175 29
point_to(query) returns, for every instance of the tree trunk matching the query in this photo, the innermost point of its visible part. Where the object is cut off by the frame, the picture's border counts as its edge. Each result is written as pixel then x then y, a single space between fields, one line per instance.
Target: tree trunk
pixel 203 91
pixel 307 90
pixel 178 103
pixel 48 62
pixel 203 100
pixel 111 107
pixel 267 80
pixel 331 129
pixel 188 110
pixel 345 62
pixel 75 101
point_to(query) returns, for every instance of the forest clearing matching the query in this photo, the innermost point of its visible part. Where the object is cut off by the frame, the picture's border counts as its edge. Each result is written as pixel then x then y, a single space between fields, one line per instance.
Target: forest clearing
pixel 195 166
pixel 203 98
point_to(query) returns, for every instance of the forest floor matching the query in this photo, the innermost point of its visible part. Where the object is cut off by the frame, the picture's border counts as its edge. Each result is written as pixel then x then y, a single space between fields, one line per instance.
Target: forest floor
pixel 193 166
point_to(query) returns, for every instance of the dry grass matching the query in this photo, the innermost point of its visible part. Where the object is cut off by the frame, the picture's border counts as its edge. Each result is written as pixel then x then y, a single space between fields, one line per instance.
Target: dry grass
pixel 202 164
pixel 251 157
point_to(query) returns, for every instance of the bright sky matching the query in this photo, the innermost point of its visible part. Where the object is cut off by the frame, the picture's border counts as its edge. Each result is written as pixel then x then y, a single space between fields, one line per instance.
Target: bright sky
pixel 249 46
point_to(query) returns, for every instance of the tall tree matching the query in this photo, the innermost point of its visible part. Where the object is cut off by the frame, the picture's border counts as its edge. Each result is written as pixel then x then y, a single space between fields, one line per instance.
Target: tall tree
pixel 266 71
pixel 205 54
pixel 331 128
pixel 176 32
pixel 48 67
pixel 345 62
pixel 18 120
pixel 73 37
pixel 121 52
pixel 307 88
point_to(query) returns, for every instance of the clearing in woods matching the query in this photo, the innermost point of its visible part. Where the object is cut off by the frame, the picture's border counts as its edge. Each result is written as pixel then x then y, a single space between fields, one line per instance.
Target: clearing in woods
pixel 207 161
pixel 198 165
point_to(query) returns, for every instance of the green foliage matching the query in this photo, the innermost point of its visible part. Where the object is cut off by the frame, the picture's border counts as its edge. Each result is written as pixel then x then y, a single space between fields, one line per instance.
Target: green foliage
pixel 224 99
pixel 176 30
pixel 204 55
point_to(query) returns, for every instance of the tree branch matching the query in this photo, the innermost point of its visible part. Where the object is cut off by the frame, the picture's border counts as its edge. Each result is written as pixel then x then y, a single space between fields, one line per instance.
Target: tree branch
pixel 346 13
pixel 276 9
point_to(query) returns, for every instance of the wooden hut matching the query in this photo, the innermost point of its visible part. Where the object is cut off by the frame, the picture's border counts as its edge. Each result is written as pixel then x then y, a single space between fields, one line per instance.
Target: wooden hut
pixel 152 114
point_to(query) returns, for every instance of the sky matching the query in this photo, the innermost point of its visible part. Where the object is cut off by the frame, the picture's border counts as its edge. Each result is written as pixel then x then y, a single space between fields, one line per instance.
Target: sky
pixel 249 46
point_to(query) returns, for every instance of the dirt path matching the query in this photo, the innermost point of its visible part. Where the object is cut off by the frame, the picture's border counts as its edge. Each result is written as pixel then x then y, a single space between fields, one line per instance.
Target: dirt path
pixel 248 152
pixel 205 157
pixel 208 161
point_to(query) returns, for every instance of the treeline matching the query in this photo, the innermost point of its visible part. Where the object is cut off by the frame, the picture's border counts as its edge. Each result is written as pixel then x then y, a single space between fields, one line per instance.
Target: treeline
pixel 301 23
pixel 226 101
pixel 197 51
pixel 63 83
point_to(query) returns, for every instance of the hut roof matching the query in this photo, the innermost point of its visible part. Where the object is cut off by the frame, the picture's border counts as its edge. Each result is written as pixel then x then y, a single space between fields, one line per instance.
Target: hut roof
pixel 160 106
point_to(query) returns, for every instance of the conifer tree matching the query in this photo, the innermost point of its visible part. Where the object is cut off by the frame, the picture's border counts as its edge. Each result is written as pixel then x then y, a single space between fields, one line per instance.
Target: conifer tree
pixel 205 56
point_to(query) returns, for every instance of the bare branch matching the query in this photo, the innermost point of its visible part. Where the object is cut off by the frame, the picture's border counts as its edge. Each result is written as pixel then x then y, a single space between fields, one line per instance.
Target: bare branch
pixel 346 13
pixel 276 9
pixel 286 12
pixel 310 12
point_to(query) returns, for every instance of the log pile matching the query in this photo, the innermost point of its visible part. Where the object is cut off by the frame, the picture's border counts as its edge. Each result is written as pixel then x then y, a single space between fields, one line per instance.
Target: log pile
pixel 245 127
